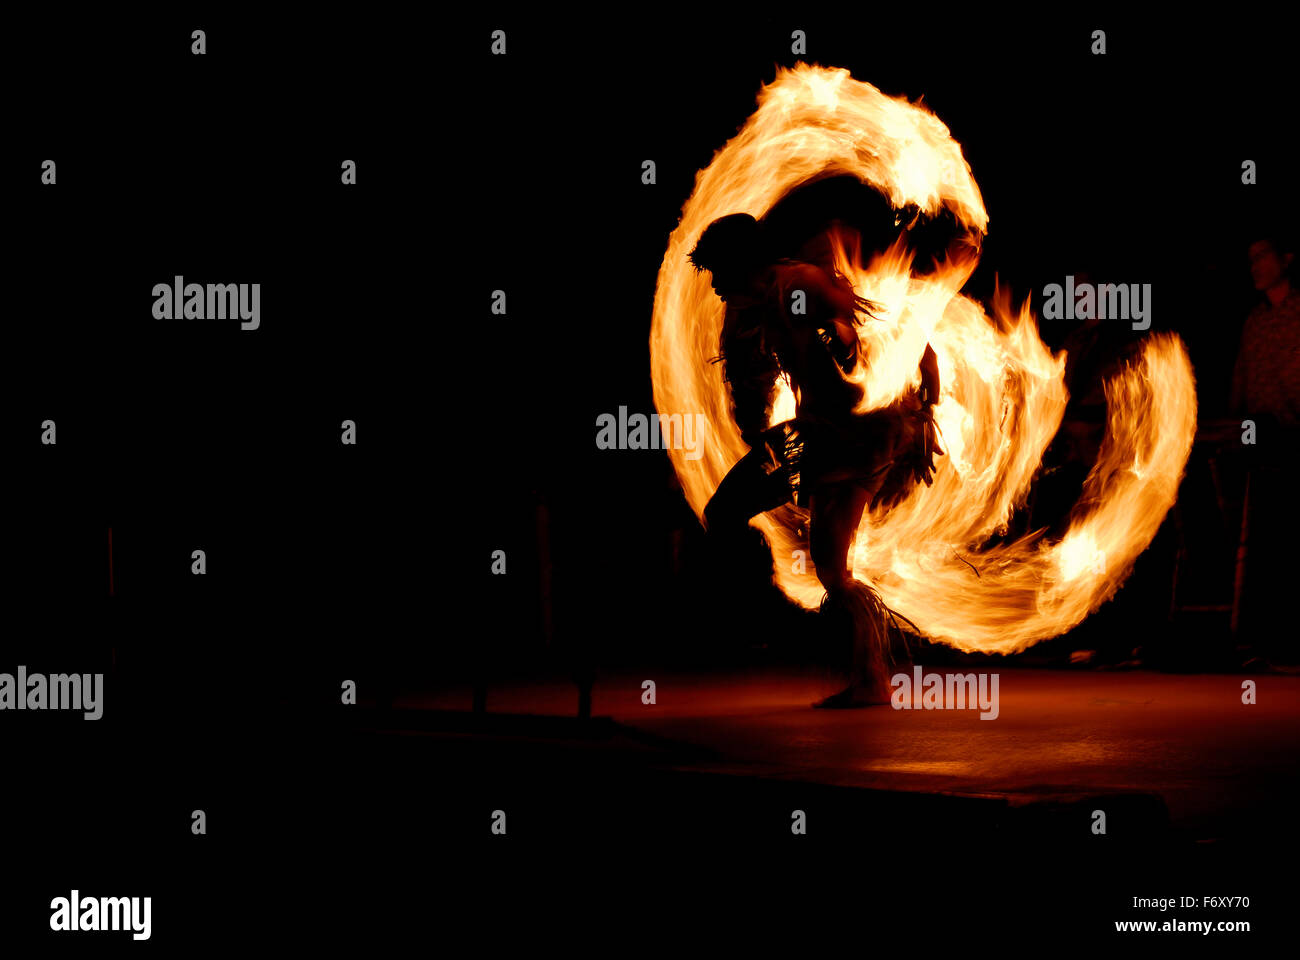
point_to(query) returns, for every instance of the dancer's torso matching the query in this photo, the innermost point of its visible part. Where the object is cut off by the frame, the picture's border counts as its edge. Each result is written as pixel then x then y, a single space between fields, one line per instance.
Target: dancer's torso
pixel 808 345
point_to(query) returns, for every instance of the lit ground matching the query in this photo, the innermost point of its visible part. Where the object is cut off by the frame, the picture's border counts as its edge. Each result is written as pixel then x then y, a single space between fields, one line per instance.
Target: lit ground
pixel 1218 765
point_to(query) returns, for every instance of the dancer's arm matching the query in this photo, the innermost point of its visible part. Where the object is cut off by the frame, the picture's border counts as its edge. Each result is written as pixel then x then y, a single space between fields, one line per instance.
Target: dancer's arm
pixel 751 370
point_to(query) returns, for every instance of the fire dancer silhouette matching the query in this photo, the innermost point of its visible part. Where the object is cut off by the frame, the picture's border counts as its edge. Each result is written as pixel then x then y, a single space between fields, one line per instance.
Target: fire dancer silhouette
pixel 828 458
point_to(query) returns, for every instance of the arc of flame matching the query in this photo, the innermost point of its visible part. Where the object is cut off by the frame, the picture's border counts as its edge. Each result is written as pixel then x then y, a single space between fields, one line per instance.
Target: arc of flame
pixel 1003 394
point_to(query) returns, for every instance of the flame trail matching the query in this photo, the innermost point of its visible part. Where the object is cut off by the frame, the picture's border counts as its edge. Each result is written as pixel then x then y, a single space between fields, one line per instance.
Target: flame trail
pixel 1003 394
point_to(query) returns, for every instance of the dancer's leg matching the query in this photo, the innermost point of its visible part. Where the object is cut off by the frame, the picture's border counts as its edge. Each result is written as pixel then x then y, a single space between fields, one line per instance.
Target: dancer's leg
pixel 834 522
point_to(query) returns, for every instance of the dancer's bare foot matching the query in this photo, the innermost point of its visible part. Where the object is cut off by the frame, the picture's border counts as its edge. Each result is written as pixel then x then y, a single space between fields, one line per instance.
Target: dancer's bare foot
pixel 851 698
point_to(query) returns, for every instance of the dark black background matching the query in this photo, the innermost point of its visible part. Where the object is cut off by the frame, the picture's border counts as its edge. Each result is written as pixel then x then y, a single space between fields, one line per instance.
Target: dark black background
pixel 475 173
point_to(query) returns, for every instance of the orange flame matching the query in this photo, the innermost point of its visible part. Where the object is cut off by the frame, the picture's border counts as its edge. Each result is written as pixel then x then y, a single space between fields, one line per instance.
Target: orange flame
pixel 1003 394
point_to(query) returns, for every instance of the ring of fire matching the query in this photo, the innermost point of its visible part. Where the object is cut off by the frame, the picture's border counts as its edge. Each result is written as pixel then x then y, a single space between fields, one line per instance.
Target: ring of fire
pixel 1003 394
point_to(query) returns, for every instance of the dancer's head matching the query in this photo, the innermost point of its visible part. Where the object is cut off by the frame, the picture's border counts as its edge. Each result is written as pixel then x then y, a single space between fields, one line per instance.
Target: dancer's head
pixel 732 249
